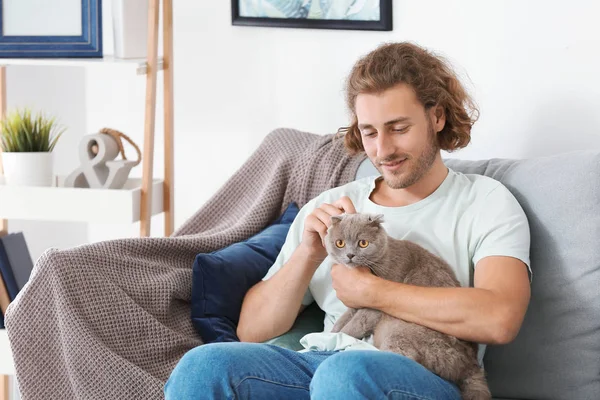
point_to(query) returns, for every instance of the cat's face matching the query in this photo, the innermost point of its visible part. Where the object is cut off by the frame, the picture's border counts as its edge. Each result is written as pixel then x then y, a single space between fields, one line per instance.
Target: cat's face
pixel 356 239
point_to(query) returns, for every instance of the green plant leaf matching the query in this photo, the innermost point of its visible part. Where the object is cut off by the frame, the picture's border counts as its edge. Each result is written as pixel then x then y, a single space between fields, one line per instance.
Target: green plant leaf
pixel 21 131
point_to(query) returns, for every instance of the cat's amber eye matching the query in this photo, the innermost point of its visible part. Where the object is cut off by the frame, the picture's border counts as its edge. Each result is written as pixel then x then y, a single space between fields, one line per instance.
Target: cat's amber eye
pixel 363 243
pixel 340 243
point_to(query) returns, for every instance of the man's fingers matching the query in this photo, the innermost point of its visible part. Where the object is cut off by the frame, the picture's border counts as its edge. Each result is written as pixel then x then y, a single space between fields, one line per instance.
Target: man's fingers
pixel 322 232
pixel 323 216
pixel 345 204
pixel 321 224
pixel 331 209
pixel 318 226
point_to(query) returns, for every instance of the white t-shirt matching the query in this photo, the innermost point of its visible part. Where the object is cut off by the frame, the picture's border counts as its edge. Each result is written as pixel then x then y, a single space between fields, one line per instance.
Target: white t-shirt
pixel 468 217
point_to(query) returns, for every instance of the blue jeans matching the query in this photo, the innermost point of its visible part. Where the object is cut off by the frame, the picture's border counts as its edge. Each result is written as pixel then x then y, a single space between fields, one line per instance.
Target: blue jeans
pixel 263 372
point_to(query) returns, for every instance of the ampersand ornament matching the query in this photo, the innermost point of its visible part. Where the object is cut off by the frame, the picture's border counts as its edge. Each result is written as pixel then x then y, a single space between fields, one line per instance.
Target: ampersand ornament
pixel 99 169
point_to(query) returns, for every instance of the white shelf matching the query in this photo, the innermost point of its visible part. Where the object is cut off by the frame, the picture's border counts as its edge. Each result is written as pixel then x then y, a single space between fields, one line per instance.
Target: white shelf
pixel 139 64
pixel 6 358
pixel 76 204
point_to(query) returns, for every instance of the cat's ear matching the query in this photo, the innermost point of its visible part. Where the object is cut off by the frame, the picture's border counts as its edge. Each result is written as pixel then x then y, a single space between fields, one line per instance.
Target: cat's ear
pixel 335 219
pixel 375 220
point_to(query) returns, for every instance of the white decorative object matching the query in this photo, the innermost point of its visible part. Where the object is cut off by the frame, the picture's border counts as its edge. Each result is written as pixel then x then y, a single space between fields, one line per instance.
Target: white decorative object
pixel 98 169
pixel 27 169
pixel 130 27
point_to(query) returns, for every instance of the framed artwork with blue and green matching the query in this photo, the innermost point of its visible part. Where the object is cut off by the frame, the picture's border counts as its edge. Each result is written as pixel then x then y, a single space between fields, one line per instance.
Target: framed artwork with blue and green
pixel 319 14
pixel 50 28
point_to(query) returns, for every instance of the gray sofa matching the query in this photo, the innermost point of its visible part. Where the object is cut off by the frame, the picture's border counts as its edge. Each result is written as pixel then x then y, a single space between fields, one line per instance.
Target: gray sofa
pixel 557 352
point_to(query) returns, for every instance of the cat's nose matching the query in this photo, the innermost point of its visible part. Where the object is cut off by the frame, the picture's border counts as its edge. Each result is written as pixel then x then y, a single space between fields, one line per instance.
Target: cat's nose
pixel 350 256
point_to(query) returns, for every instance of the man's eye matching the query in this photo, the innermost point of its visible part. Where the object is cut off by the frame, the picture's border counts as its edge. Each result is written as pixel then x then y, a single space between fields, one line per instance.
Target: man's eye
pixel 369 134
pixel 400 129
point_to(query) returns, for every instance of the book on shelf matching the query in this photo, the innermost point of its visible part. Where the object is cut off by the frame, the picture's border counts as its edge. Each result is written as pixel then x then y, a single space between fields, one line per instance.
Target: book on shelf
pixel 7 272
pixel 15 263
pixel 4 295
pixel 3 288
pixel 19 258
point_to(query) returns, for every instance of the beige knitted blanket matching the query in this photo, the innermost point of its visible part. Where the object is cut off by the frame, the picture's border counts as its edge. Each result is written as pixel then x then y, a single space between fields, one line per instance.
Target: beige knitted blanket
pixel 110 320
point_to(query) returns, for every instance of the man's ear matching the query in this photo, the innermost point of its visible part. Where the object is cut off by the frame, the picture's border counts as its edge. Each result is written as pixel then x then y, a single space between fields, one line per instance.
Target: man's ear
pixel 439 118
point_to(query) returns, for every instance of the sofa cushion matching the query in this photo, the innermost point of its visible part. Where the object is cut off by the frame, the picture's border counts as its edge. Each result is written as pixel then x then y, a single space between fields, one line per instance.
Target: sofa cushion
pixel 220 279
pixel 309 321
pixel 557 352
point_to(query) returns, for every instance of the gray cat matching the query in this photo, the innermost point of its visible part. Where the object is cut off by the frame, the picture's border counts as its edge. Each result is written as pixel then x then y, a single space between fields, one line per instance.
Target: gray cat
pixel 360 240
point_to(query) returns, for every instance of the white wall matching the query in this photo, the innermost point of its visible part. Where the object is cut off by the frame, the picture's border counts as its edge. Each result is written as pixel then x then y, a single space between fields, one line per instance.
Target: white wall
pixel 532 67
pixel 60 92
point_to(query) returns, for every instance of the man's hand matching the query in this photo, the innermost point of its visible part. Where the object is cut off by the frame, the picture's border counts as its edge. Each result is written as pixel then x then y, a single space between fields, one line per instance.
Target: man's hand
pixel 317 223
pixel 352 285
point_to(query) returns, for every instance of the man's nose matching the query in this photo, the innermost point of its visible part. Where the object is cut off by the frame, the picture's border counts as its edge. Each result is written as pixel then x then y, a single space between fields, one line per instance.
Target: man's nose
pixel 385 146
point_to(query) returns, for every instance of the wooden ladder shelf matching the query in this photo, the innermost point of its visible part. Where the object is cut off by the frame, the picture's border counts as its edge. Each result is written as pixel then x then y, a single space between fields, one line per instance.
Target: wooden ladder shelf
pixel 152 66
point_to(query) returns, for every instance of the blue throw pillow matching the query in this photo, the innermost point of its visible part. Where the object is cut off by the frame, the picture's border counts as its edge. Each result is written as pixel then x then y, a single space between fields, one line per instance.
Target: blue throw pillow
pixel 221 279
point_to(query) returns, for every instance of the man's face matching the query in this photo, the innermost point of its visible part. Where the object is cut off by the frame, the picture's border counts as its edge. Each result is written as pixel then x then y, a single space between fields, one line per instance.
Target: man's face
pixel 398 135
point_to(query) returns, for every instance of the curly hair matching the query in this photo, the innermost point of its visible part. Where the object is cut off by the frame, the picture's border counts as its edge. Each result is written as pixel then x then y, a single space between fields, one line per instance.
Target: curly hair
pixel 432 79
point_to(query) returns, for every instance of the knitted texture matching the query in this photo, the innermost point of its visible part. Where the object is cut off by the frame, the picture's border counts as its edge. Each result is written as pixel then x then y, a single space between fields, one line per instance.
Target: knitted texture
pixel 110 320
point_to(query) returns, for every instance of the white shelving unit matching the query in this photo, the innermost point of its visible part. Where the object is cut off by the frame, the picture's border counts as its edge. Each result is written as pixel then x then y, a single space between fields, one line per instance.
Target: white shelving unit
pixel 6 361
pixel 140 65
pixel 7 367
pixel 59 203
pixel 138 193
pixel 139 200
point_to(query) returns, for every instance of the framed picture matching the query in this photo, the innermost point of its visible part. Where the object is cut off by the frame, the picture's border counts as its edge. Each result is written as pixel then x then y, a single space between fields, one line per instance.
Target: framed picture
pixel 373 15
pixel 50 28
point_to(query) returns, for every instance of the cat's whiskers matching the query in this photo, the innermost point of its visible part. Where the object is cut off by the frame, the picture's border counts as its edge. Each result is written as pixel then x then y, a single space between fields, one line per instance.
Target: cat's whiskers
pixel 379 270
pixel 372 266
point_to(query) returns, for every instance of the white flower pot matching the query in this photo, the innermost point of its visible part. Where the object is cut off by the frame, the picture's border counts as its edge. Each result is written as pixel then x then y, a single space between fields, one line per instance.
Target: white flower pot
pixel 28 169
pixel 130 27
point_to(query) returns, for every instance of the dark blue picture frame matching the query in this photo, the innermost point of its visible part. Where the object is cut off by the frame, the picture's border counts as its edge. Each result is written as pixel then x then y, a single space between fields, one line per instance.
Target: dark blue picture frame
pixel 385 22
pixel 87 45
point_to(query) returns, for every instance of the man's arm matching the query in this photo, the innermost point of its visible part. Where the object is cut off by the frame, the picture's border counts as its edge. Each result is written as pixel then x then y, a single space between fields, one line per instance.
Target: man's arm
pixel 271 306
pixel 491 312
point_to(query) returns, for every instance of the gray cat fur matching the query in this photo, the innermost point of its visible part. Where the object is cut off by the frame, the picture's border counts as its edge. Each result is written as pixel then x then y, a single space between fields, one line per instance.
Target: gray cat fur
pixel 405 262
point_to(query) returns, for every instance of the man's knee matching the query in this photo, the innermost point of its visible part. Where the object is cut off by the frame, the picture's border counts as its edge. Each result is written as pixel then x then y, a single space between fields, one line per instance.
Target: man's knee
pixel 340 373
pixel 208 358
pixel 200 369
pixel 372 374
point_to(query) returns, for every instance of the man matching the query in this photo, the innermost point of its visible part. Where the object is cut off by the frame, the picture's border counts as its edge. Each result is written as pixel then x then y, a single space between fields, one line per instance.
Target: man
pixel 407 105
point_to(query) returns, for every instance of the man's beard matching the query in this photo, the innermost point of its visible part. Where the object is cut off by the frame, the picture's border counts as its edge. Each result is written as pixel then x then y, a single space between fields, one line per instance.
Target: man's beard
pixel 414 168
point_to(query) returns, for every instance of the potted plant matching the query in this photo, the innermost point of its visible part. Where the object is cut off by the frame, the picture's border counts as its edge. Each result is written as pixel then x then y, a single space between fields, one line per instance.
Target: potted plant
pixel 27 142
